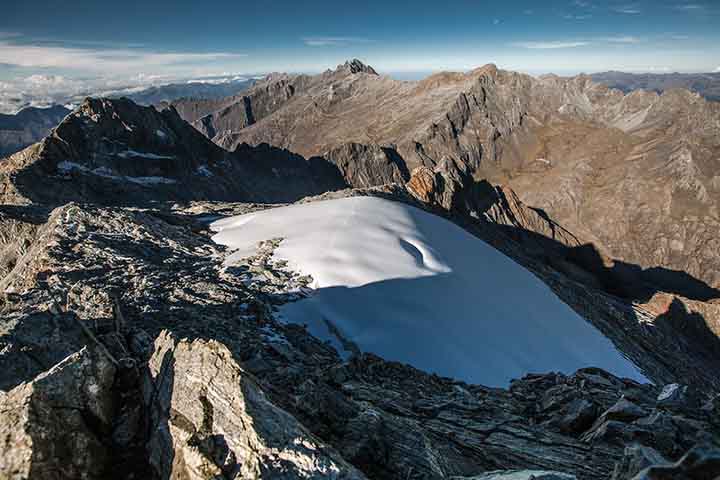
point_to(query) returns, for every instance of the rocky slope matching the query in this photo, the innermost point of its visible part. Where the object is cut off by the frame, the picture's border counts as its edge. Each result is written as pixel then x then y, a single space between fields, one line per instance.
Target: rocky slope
pixel 170 365
pixel 129 349
pixel 27 127
pixel 569 146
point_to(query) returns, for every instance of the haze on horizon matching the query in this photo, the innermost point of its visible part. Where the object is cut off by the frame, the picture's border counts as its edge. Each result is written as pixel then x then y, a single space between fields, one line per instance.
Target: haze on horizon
pixel 49 47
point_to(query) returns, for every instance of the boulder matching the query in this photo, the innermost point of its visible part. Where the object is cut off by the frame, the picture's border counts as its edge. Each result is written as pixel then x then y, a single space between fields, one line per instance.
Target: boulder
pixel 636 458
pixel 54 426
pixel 700 463
pixel 210 418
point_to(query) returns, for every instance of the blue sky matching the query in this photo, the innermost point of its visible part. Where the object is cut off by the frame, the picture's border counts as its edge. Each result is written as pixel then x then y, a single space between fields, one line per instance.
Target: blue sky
pixel 78 42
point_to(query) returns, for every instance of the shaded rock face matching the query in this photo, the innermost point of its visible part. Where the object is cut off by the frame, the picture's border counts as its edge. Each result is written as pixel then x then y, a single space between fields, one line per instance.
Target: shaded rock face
pixel 56 425
pixel 116 152
pixel 224 116
pixel 701 462
pixel 364 166
pixel 356 66
pixel 27 127
pixel 524 475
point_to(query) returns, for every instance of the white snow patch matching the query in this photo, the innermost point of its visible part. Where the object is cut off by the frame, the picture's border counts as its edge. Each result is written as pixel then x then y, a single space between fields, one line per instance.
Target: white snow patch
pixel 416 288
pixel 204 171
pixel 526 475
pixel 152 156
pixel 105 172
pixel 150 180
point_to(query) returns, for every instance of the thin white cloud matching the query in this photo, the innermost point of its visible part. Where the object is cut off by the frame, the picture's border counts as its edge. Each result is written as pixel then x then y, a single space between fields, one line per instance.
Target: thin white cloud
pixel 548 45
pixel 529 12
pixel 717 70
pixel 100 59
pixel 577 17
pixel 333 41
pixel 622 39
pixel 39 90
pixel 497 21
pixel 690 7
pixel 628 9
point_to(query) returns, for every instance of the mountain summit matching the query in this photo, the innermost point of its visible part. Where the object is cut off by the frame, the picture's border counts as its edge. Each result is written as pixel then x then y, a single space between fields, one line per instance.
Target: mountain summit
pixel 356 66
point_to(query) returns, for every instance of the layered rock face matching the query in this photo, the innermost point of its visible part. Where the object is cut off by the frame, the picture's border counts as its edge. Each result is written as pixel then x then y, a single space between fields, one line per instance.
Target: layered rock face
pixel 365 166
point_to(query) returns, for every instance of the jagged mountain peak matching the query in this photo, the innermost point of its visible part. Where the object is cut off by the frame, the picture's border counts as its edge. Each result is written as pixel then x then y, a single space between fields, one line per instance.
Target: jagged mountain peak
pixel 356 66
pixel 489 69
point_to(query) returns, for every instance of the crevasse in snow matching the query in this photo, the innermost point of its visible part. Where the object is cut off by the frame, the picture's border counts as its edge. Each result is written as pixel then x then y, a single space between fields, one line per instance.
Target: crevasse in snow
pixel 413 287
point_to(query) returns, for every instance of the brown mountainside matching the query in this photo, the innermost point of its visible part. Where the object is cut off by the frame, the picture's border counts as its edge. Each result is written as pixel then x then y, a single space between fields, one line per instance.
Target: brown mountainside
pixel 635 174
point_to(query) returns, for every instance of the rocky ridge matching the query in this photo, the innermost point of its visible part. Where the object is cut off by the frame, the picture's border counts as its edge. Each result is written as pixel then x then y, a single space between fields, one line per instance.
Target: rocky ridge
pixel 114 151
pixel 706 84
pixel 112 303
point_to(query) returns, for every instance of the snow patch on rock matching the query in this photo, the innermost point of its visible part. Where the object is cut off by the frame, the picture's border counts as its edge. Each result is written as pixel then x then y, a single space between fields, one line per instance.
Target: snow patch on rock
pixel 413 287
pixel 105 172
pixel 151 156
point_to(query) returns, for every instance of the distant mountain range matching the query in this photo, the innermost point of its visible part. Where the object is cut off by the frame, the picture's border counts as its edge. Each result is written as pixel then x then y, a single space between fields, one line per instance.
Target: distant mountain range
pixel 706 84
pixel 198 90
pixel 27 127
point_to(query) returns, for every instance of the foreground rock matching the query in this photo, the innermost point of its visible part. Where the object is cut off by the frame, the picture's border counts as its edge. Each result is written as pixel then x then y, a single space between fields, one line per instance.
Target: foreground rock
pixel 57 425
pixel 210 418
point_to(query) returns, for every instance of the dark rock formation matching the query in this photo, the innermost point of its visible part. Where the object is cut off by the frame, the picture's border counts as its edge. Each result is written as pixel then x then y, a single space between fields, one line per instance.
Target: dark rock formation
pixel 356 66
pixel 116 152
pixel 364 166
